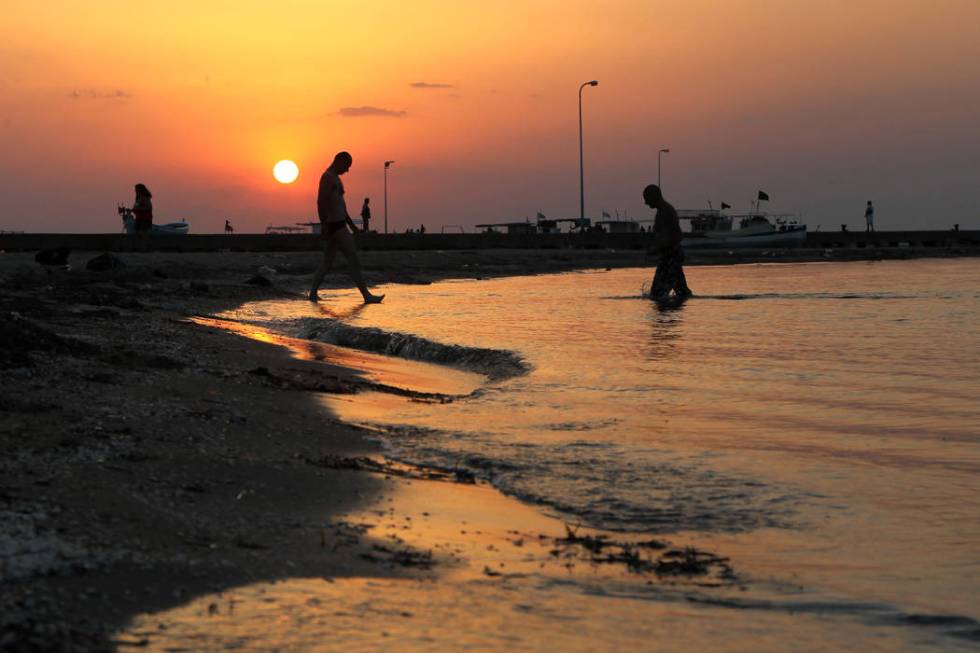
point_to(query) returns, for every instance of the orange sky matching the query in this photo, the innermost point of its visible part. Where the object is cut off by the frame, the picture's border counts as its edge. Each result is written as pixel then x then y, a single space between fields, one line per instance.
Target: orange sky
pixel 824 104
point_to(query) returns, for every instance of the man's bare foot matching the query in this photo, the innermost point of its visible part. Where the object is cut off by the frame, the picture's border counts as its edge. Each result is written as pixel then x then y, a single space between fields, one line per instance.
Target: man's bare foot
pixel 373 299
pixel 314 296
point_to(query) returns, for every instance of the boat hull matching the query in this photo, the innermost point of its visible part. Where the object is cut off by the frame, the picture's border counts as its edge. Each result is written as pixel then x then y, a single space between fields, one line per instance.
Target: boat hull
pixel 173 228
pixel 787 238
pixel 170 228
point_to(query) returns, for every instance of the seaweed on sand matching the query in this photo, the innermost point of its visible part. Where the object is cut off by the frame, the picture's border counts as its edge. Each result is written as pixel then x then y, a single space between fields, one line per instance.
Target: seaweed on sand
pixel 639 557
pixel 402 557
pixel 389 468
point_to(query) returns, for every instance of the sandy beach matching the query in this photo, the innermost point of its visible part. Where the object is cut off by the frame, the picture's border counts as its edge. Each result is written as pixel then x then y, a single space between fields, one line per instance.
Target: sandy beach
pixel 151 459
pixel 191 465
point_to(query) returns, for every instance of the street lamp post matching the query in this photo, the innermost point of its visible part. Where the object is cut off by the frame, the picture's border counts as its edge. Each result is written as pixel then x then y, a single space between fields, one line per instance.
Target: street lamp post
pixel 660 154
pixel 581 160
pixel 387 165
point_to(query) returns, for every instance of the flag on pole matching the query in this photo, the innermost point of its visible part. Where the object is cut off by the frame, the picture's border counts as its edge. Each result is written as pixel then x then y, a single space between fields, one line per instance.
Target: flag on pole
pixel 606 215
pixel 763 195
pixel 725 206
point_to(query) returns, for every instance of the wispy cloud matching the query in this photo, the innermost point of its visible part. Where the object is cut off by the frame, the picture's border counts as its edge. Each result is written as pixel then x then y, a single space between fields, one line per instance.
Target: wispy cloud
pixel 364 111
pixel 431 85
pixel 92 94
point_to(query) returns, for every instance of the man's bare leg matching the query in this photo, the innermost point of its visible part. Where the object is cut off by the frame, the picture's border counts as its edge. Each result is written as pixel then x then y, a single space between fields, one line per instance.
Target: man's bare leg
pixel 329 251
pixel 345 241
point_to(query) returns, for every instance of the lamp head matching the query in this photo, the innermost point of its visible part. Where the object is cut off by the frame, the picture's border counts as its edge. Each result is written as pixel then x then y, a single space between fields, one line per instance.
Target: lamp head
pixel 388 164
pixel 594 82
pixel 665 150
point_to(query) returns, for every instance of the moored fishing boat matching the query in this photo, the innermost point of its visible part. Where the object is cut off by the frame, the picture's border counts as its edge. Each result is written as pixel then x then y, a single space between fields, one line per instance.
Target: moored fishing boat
pixel 712 228
pixel 173 228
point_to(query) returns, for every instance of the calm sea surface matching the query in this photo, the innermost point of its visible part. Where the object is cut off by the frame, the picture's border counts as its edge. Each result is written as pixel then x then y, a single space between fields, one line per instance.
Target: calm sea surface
pixel 819 424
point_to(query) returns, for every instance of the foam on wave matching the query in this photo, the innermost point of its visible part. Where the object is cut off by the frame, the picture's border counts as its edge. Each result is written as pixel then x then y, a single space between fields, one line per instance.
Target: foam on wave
pixel 497 364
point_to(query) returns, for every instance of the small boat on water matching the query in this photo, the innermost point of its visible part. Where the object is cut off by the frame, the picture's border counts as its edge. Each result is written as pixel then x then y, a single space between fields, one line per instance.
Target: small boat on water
pixel 173 228
pixel 712 228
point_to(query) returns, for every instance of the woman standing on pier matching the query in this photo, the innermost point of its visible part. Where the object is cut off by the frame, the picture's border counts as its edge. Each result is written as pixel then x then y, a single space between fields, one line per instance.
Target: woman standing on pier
pixel 143 214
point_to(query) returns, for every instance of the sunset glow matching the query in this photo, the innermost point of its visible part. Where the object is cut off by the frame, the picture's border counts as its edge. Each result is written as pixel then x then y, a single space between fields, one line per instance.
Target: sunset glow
pixel 824 105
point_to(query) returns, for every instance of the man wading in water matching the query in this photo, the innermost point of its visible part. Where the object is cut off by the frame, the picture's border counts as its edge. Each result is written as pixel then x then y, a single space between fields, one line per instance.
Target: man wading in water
pixel 667 241
pixel 332 208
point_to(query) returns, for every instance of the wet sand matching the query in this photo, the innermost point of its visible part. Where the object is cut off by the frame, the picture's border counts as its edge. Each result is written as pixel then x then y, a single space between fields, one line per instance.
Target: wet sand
pixel 151 459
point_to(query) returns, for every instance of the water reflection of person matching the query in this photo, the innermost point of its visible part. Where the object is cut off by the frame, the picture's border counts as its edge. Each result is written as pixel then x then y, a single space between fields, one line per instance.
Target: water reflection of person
pixel 667 242
pixel 334 220
pixel 665 330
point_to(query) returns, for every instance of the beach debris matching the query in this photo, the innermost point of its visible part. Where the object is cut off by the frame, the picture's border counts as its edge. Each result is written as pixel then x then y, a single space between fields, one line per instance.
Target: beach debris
pixel 690 562
pixel 132 360
pixel 19 335
pixel 243 542
pixel 103 262
pixel 638 557
pixel 56 257
pixel 391 468
pixel 402 557
pixel 258 280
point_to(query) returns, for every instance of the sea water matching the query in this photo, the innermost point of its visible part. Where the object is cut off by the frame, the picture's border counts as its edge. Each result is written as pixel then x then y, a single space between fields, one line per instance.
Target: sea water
pixel 818 424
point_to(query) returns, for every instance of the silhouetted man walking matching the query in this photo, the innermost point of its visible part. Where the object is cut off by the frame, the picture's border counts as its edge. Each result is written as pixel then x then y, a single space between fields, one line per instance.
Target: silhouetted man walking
pixel 667 237
pixel 334 220
pixel 869 217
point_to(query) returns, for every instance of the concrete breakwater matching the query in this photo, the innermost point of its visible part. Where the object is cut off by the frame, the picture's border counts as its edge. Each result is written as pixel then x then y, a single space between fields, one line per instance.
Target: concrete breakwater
pixel 13 242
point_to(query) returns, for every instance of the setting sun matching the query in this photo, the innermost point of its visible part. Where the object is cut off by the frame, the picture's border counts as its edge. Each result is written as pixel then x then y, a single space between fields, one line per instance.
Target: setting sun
pixel 285 171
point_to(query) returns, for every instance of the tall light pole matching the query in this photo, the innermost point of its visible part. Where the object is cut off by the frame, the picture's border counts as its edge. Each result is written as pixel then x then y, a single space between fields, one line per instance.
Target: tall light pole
pixel 387 165
pixel 660 154
pixel 581 163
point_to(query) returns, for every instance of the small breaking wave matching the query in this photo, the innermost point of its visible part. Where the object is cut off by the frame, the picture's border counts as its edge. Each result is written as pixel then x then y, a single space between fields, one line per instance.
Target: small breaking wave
pixel 497 364
pixel 643 491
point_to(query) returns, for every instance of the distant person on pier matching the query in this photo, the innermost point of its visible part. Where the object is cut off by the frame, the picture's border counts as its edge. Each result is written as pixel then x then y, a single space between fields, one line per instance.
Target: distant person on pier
pixel 667 237
pixel 422 229
pixel 366 215
pixel 869 217
pixel 143 215
pixel 334 220
pixel 228 228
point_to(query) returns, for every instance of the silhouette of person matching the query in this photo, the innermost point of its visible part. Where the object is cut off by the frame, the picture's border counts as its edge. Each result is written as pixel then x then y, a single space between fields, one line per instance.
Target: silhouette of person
pixel 142 209
pixel 667 241
pixel 143 215
pixel 366 215
pixel 422 229
pixel 228 228
pixel 334 220
pixel 869 217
